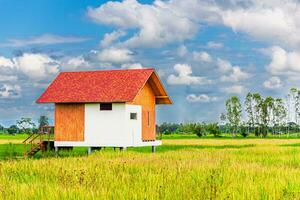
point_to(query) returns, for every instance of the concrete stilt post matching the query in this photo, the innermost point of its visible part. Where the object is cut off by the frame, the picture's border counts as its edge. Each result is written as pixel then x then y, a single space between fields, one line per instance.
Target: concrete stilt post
pixel 89 150
pixel 153 149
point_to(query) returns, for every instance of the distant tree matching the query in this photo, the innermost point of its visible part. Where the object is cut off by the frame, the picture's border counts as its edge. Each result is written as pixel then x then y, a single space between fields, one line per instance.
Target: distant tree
pixel 198 130
pixel 13 129
pixel 234 112
pixel 43 121
pixel 249 108
pixel 25 125
pixel 279 114
pixel 223 117
pixel 213 128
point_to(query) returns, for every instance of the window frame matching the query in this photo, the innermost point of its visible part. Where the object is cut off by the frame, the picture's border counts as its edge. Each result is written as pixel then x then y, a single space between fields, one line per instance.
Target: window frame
pixel 105 107
pixel 133 114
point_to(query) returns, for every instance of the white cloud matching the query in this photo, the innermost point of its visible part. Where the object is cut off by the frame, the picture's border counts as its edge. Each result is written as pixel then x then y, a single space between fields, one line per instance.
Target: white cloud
pixel 185 76
pixel 214 45
pixel 132 66
pixel 109 38
pixel 234 73
pixel 201 98
pixel 45 39
pixel 236 89
pixel 224 65
pixel 8 91
pixel 274 21
pixel 6 62
pixel 115 55
pixel 182 51
pixel 157 23
pixel 273 83
pixel 201 56
pixel 4 78
pixel 284 62
pixel 235 76
pixel 74 63
pixel 36 66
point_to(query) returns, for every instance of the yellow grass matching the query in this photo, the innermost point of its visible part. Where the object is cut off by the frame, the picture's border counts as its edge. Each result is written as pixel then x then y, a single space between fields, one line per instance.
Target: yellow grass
pixel 199 169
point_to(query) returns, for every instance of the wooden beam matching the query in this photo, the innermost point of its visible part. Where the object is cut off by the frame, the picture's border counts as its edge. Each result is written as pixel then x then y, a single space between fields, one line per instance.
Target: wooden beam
pixel 161 97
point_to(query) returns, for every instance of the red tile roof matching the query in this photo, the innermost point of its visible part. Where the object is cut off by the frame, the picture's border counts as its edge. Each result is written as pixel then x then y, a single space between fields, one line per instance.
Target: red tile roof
pixel 96 86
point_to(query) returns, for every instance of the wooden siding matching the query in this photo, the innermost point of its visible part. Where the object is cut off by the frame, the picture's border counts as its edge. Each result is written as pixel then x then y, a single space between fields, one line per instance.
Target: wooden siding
pixel 146 99
pixel 69 122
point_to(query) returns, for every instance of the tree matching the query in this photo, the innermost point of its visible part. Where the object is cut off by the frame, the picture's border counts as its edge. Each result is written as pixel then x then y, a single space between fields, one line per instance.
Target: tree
pixel 234 112
pixel 213 128
pixel 43 121
pixel 280 113
pixel 25 124
pixel 198 130
pixel 249 107
pixel 13 129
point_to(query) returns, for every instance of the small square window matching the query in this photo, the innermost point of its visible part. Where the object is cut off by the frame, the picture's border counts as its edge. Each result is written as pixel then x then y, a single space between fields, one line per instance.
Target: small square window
pixel 105 106
pixel 133 115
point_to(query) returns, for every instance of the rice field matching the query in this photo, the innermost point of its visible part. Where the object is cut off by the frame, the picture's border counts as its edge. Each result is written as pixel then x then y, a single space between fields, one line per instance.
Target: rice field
pixel 189 168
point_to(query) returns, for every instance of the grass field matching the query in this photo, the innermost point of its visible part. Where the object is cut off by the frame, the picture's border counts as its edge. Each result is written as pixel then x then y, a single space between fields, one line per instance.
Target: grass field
pixel 185 167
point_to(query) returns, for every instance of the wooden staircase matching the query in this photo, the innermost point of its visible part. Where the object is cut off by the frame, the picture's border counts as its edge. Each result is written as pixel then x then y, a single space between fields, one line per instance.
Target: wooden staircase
pixel 40 141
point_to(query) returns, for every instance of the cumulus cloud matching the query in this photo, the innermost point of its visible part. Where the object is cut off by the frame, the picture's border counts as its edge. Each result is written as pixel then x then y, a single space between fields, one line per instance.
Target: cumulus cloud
pixel 201 98
pixel 132 66
pixel 163 22
pixel 185 76
pixel 235 89
pixel 6 62
pixel 273 83
pixel 157 24
pixel 115 55
pixel 37 66
pixel 283 62
pixel 202 56
pixel 214 45
pixel 45 39
pixel 274 21
pixel 234 73
pixel 109 38
pixel 8 91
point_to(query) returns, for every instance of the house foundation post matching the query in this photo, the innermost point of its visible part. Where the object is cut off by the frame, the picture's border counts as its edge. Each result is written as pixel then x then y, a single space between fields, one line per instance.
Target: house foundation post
pixel 56 149
pixel 153 149
pixel 89 150
pixel 123 148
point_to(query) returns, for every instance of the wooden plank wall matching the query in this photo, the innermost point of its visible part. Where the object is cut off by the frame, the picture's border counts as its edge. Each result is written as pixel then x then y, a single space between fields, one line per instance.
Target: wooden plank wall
pixel 146 99
pixel 69 122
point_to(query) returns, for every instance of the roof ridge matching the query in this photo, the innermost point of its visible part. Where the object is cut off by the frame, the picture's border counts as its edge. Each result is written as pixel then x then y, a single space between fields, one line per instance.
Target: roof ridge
pixel 110 70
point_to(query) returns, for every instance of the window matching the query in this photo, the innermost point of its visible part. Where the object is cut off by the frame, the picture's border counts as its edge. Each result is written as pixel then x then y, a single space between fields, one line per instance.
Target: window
pixel 105 106
pixel 133 115
pixel 148 117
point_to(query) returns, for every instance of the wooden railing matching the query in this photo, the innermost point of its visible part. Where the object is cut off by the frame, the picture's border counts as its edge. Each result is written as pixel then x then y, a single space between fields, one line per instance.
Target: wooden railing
pixel 37 141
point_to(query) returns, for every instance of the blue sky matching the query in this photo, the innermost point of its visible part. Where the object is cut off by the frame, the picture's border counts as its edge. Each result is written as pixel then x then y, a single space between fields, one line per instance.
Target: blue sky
pixel 204 51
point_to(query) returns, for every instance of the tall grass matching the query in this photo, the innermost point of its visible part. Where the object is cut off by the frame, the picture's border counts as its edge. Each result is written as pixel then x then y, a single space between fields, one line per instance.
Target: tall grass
pixel 244 169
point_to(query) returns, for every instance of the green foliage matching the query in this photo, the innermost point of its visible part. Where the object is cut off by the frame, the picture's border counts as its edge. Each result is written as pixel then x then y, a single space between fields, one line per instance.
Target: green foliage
pixel 198 130
pixel 43 121
pixel 13 129
pixel 213 129
pixel 234 112
pixel 25 125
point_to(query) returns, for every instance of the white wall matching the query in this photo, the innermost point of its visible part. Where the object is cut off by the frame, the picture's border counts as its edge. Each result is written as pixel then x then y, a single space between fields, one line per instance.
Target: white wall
pixel 111 128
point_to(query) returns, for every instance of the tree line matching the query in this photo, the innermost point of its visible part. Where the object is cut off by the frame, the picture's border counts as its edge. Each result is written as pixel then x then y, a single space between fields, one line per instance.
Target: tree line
pixel 25 125
pixel 264 115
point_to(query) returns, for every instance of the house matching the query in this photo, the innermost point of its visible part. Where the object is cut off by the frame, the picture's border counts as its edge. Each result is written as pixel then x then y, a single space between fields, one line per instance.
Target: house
pixel 108 108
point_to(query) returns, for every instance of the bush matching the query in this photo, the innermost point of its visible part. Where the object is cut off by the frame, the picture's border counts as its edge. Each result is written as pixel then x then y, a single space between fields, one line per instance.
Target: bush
pixel 213 128
pixel 243 131
pixel 198 130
